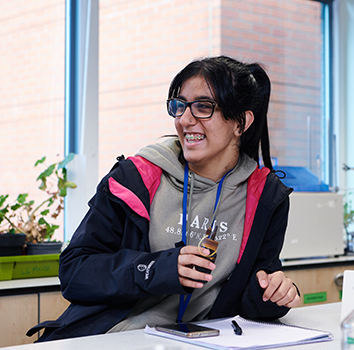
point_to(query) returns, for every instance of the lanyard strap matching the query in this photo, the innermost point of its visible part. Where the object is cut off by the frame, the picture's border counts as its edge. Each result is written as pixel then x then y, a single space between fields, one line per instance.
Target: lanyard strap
pixel 218 194
pixel 185 197
pixel 183 302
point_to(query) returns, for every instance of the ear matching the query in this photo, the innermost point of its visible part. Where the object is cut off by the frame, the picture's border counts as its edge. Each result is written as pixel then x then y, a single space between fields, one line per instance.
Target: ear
pixel 249 118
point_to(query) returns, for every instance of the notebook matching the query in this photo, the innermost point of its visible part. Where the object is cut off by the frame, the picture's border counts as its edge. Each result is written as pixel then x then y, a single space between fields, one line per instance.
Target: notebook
pixel 255 335
pixel 347 294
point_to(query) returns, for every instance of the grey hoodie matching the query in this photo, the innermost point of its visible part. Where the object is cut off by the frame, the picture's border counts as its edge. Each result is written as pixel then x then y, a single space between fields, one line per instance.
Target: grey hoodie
pixel 166 228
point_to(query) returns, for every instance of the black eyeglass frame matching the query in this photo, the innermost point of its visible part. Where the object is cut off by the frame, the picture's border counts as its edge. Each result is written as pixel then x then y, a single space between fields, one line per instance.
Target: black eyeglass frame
pixel 189 104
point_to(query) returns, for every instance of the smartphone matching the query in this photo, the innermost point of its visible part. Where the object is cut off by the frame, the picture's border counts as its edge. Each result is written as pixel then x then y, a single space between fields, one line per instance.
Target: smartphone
pixel 188 330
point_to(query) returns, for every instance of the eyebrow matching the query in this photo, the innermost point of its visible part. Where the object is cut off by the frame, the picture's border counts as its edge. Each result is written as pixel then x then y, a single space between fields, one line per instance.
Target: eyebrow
pixel 208 98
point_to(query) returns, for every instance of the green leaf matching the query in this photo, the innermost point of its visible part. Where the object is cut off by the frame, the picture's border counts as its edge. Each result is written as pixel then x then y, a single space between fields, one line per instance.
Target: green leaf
pixel 66 160
pixel 45 212
pixel 16 206
pixel 46 173
pixel 3 212
pixel 40 161
pixel 50 231
pixel 70 184
pixel 42 221
pixel 61 183
pixel 3 199
pixel 43 185
pixel 43 176
pixel 64 174
pixel 22 198
pixel 62 192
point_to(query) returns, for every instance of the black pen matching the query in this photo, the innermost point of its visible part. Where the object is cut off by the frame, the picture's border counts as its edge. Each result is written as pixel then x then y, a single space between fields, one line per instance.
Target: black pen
pixel 236 327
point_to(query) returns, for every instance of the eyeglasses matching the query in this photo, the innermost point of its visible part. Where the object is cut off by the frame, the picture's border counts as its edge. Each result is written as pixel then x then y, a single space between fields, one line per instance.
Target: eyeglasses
pixel 199 109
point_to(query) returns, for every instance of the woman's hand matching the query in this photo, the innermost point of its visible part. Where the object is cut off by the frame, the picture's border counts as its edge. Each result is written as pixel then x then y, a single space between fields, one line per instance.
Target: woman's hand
pixel 189 256
pixel 278 288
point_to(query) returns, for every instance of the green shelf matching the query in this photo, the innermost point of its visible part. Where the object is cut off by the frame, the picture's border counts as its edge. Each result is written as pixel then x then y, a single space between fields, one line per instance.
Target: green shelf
pixel 28 266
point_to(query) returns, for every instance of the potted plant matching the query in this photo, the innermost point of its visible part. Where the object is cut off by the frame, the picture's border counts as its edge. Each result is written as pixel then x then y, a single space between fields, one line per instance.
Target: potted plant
pixel 348 219
pixel 25 218
pixel 11 244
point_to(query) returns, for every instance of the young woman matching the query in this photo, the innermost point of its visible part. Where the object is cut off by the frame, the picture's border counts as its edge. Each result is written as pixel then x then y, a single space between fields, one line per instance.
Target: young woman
pixel 136 257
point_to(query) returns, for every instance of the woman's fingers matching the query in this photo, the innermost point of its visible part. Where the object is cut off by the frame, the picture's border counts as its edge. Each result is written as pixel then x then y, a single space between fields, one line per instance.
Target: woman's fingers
pixel 189 257
pixel 278 288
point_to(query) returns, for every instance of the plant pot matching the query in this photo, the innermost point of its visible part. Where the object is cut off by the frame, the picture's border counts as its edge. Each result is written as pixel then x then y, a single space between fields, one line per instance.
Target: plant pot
pixel 28 266
pixel 44 248
pixel 11 244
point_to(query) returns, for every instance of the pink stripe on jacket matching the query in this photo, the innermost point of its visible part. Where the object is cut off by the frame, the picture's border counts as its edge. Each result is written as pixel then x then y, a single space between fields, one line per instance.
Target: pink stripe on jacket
pixel 151 176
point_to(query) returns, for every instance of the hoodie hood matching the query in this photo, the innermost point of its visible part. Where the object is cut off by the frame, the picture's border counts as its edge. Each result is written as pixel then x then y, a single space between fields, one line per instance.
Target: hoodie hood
pixel 166 155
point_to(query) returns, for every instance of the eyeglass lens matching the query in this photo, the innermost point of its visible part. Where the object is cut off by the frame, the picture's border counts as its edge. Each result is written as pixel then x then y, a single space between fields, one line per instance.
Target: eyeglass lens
pixel 200 109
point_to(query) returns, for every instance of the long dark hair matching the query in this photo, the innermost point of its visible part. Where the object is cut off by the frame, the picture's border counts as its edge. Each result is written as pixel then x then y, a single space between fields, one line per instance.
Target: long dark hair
pixel 238 87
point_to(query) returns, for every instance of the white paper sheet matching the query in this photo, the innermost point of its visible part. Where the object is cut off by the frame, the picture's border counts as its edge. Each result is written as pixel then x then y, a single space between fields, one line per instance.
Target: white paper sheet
pixel 255 335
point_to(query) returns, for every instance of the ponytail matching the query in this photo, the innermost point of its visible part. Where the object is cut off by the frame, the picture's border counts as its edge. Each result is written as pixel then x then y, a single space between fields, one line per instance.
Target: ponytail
pixel 257 136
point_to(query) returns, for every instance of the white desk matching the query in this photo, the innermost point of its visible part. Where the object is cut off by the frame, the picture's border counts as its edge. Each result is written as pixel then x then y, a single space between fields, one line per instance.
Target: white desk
pixel 27 283
pixel 323 317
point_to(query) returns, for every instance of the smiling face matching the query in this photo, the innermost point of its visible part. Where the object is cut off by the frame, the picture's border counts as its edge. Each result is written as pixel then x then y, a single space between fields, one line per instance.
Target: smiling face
pixel 209 145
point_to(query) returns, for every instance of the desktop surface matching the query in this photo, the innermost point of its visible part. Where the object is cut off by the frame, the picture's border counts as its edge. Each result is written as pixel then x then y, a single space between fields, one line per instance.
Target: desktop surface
pixel 322 317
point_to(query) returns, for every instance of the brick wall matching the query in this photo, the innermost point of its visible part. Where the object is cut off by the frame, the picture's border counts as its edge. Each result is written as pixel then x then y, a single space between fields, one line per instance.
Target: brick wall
pixel 31 91
pixel 285 36
pixel 143 44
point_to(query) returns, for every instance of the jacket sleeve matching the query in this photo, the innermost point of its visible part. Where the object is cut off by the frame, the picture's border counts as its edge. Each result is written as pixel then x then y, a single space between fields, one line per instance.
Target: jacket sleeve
pixel 251 304
pixel 108 259
pixel 241 294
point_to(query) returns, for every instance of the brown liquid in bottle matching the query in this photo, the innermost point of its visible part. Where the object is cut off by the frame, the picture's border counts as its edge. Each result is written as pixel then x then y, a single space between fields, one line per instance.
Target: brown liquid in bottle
pixel 210 244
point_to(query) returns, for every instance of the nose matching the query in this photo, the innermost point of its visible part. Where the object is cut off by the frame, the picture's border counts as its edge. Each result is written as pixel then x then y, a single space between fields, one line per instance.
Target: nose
pixel 187 118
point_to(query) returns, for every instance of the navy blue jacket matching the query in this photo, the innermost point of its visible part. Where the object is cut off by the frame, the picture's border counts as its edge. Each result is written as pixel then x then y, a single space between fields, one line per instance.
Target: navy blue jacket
pixel 99 270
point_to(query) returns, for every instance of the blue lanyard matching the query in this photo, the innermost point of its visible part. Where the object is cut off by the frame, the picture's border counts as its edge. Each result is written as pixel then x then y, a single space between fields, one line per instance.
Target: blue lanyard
pixel 183 301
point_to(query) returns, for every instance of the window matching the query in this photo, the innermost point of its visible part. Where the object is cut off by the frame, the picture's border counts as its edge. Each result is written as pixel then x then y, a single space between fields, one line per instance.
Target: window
pixel 32 91
pixel 144 44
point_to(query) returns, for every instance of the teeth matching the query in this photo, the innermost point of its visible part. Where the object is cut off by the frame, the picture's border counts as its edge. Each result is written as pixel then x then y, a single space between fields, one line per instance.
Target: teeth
pixel 193 137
